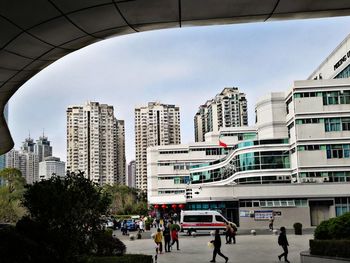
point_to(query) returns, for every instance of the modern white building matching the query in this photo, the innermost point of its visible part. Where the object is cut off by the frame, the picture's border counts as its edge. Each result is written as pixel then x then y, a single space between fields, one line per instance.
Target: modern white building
pixel 92 142
pixel 155 124
pixel 227 109
pixel 337 64
pixel 294 164
pixel 51 166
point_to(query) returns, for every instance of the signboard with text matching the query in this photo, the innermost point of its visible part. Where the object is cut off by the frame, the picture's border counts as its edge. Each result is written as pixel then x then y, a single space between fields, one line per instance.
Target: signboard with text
pixel 263 215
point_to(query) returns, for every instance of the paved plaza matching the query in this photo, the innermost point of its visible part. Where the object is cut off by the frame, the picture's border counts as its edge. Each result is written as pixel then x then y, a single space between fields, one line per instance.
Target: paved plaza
pixel 250 249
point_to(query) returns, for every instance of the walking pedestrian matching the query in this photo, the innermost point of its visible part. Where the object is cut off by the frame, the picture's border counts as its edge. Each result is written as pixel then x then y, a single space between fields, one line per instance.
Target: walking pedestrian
pixel 217 247
pixel 283 242
pixel 167 238
pixel 233 232
pixel 158 239
pixel 141 226
pixel 271 223
pixel 228 233
pixel 125 228
pixel 175 236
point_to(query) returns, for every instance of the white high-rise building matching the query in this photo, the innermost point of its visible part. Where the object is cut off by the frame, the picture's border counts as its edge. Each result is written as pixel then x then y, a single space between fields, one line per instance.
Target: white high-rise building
pixel 14 159
pixel 92 143
pixel 227 109
pixel 51 166
pixel 30 161
pixel 155 124
pixel 26 162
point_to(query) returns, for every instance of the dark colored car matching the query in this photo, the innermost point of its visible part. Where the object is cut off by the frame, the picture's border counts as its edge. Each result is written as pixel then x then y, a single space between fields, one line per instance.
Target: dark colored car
pixel 131 225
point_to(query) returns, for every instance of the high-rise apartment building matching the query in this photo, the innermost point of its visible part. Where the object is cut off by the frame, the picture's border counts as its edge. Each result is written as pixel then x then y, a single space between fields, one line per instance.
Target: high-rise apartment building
pixel 14 159
pixel 42 148
pixel 27 159
pixel 30 167
pixel 155 124
pixel 28 145
pixel 92 144
pixel 131 182
pixel 26 162
pixel 227 109
pixel 51 166
pixel 121 160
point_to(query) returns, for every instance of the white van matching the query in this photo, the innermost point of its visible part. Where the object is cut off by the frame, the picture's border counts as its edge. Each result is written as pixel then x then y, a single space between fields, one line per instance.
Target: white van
pixel 203 220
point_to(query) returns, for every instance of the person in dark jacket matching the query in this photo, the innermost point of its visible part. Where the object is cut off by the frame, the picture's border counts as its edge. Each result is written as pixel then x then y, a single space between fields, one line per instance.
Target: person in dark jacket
pixel 217 246
pixel 167 238
pixel 283 242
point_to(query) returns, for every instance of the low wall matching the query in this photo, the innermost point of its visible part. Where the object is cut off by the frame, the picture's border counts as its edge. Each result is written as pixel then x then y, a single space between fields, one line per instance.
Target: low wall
pixel 305 257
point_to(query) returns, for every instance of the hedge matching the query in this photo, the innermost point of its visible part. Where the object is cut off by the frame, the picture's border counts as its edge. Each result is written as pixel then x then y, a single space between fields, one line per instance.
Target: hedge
pixel 331 248
pixel 334 228
pixel 128 258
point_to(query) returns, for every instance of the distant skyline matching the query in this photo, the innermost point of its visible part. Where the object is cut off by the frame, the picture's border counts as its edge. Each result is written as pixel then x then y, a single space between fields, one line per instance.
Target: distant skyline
pixel 184 67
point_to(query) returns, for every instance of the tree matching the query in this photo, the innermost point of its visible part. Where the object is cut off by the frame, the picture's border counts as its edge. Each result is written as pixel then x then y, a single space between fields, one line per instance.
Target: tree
pixel 67 211
pixel 11 193
pixel 126 200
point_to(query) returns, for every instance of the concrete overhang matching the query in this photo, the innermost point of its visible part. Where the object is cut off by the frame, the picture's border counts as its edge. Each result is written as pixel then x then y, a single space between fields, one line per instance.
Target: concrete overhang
pixel 36 33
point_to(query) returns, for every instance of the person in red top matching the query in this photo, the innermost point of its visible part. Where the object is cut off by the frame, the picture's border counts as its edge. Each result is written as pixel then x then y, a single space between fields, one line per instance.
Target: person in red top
pixel 175 237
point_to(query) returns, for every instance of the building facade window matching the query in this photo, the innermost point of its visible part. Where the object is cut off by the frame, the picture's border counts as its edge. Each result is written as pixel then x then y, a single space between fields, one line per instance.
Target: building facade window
pixel 332 124
pixel 262 160
pixel 329 97
pixel 345 73
pixel 245 162
pixel 338 151
pixel 165 192
pixel 336 97
pixel 342 205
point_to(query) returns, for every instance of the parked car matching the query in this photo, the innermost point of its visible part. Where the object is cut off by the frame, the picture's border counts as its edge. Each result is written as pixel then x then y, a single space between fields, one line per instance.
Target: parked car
pixel 107 223
pixel 131 225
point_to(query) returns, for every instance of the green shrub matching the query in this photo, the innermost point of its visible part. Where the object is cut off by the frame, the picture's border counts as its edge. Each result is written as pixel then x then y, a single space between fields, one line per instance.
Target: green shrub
pixel 124 259
pixel 106 245
pixel 322 231
pixel 334 228
pixel 331 248
pixel 339 228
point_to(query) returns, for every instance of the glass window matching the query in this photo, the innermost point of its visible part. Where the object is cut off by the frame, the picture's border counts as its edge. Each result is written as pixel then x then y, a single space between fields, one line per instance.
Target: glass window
pixel 219 219
pixel 198 218
pixel 332 124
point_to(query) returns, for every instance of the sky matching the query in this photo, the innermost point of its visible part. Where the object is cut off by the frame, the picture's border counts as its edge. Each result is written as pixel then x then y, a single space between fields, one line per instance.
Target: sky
pixel 184 67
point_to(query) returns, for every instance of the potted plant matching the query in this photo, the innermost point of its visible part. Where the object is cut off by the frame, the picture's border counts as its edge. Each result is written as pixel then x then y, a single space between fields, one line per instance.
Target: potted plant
pixel 298 228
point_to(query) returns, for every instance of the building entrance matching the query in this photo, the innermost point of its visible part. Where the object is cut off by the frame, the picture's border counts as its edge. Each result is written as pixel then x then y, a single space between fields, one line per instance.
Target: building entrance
pixel 319 211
